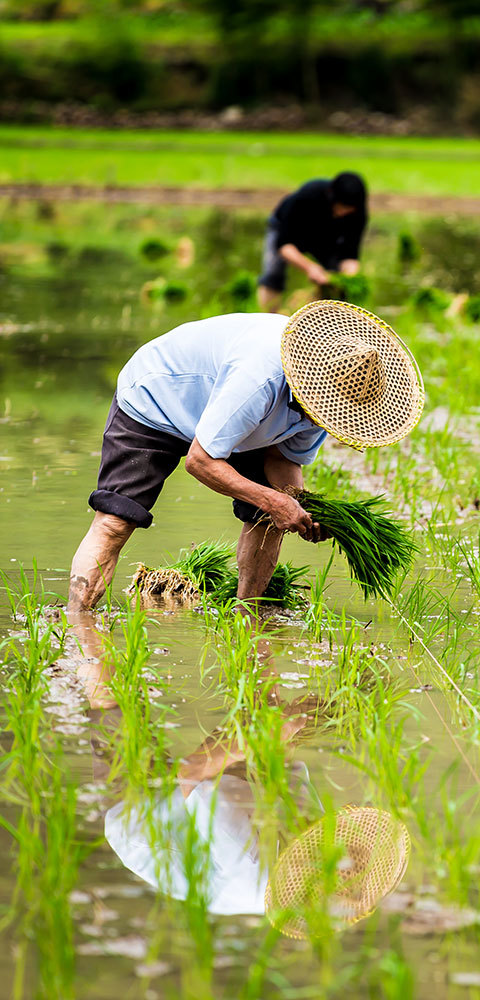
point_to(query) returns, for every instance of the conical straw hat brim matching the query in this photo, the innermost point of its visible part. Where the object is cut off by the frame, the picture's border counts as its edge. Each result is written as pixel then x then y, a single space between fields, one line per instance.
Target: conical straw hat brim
pixel 312 349
pixel 378 847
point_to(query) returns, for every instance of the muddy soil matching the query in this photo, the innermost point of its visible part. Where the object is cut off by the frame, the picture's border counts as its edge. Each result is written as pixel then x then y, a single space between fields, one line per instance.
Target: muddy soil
pixel 228 198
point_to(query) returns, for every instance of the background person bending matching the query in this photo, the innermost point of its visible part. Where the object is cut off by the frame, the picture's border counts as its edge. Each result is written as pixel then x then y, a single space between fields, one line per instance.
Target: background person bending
pixel 325 219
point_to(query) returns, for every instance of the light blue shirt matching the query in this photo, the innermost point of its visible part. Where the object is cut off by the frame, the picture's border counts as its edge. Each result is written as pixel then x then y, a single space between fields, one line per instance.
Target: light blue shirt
pixel 220 380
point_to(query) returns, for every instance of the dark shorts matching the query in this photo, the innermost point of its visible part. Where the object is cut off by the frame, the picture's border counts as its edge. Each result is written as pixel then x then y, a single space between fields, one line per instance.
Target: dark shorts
pixel 274 267
pixel 136 461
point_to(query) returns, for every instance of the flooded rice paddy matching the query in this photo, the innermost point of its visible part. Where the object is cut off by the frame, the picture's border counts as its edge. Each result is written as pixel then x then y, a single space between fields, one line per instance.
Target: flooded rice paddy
pixel 158 760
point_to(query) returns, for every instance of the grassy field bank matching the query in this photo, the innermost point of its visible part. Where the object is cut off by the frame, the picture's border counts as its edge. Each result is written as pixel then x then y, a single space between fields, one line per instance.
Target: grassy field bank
pixel 249 160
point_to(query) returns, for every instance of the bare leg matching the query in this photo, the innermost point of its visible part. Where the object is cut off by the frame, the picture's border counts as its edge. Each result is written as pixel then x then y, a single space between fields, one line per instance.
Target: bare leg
pixel 95 560
pixel 257 555
pixel 268 299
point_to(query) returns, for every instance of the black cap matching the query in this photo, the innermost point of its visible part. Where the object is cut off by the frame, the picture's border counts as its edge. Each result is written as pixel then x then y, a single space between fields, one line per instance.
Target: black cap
pixel 349 189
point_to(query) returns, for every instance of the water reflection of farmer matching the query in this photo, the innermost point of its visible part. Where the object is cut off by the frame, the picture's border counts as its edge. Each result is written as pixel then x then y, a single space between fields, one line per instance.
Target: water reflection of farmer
pixel 214 804
pixel 215 794
pixel 248 399
pixel 324 219
pixel 219 807
pixel 212 790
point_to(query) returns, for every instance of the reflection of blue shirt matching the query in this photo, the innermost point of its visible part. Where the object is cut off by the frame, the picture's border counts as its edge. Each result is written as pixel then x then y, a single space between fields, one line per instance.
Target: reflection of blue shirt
pixel 220 380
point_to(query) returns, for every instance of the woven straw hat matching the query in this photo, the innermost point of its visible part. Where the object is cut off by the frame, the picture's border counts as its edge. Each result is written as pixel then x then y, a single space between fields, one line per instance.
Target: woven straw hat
pixel 376 851
pixel 352 374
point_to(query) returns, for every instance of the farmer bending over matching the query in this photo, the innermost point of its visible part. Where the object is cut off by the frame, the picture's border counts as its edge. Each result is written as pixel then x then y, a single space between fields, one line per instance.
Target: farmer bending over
pixel 325 219
pixel 248 399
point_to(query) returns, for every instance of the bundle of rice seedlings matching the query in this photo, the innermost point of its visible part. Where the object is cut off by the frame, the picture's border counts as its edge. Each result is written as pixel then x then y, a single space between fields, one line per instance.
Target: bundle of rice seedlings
pixel 203 569
pixel 284 587
pixel 375 545
pixel 354 287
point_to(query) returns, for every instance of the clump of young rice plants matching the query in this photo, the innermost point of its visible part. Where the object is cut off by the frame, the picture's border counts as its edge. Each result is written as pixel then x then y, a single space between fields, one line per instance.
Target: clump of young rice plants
pixel 153 249
pixel 284 587
pixel 430 299
pixel 472 308
pixel 242 287
pixel 408 248
pixel 204 568
pixel 375 545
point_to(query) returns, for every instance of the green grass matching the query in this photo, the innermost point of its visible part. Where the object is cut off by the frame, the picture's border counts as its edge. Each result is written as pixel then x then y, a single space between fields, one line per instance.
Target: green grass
pixel 247 160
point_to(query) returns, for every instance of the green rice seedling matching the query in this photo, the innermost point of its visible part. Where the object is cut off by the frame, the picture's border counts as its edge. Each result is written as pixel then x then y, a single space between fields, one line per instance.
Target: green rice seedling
pixel 472 308
pixel 284 587
pixel 242 287
pixel 197 867
pixel 26 658
pixel 471 554
pixel 175 291
pixel 204 568
pixel 389 976
pixel 48 855
pixel 322 477
pixel 376 546
pixel 154 249
pixel 379 749
pixel 140 747
pixel 315 613
pixel 240 664
pixel 357 678
pixel 409 249
pixel 427 609
pixel 430 299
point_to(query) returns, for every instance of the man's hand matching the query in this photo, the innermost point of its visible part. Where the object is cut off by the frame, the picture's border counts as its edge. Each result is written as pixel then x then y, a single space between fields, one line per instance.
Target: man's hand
pixel 287 515
pixel 318 275
pixel 315 272
pixel 349 267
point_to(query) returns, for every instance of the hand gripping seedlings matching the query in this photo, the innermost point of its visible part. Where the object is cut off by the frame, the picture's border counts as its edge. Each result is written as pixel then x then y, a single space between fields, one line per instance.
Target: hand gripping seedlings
pixel 375 545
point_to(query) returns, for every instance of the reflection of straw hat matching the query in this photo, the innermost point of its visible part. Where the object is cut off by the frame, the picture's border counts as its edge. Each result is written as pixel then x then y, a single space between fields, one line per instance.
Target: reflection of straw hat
pixel 351 373
pixel 376 851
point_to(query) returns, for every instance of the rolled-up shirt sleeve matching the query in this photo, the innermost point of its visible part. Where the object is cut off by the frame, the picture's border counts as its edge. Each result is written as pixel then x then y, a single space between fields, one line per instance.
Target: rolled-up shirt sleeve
pixel 236 406
pixel 303 447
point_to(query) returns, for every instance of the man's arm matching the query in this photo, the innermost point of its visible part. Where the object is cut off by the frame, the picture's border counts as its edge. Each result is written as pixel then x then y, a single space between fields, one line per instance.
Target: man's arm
pixel 285 512
pixel 315 272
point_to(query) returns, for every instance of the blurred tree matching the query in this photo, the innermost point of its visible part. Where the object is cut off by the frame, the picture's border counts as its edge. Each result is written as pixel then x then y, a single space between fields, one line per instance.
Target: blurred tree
pixel 454 9
pixel 243 26
pixel 34 10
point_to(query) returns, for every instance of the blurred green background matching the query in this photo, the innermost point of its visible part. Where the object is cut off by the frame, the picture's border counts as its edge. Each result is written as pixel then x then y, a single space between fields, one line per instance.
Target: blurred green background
pixel 404 66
